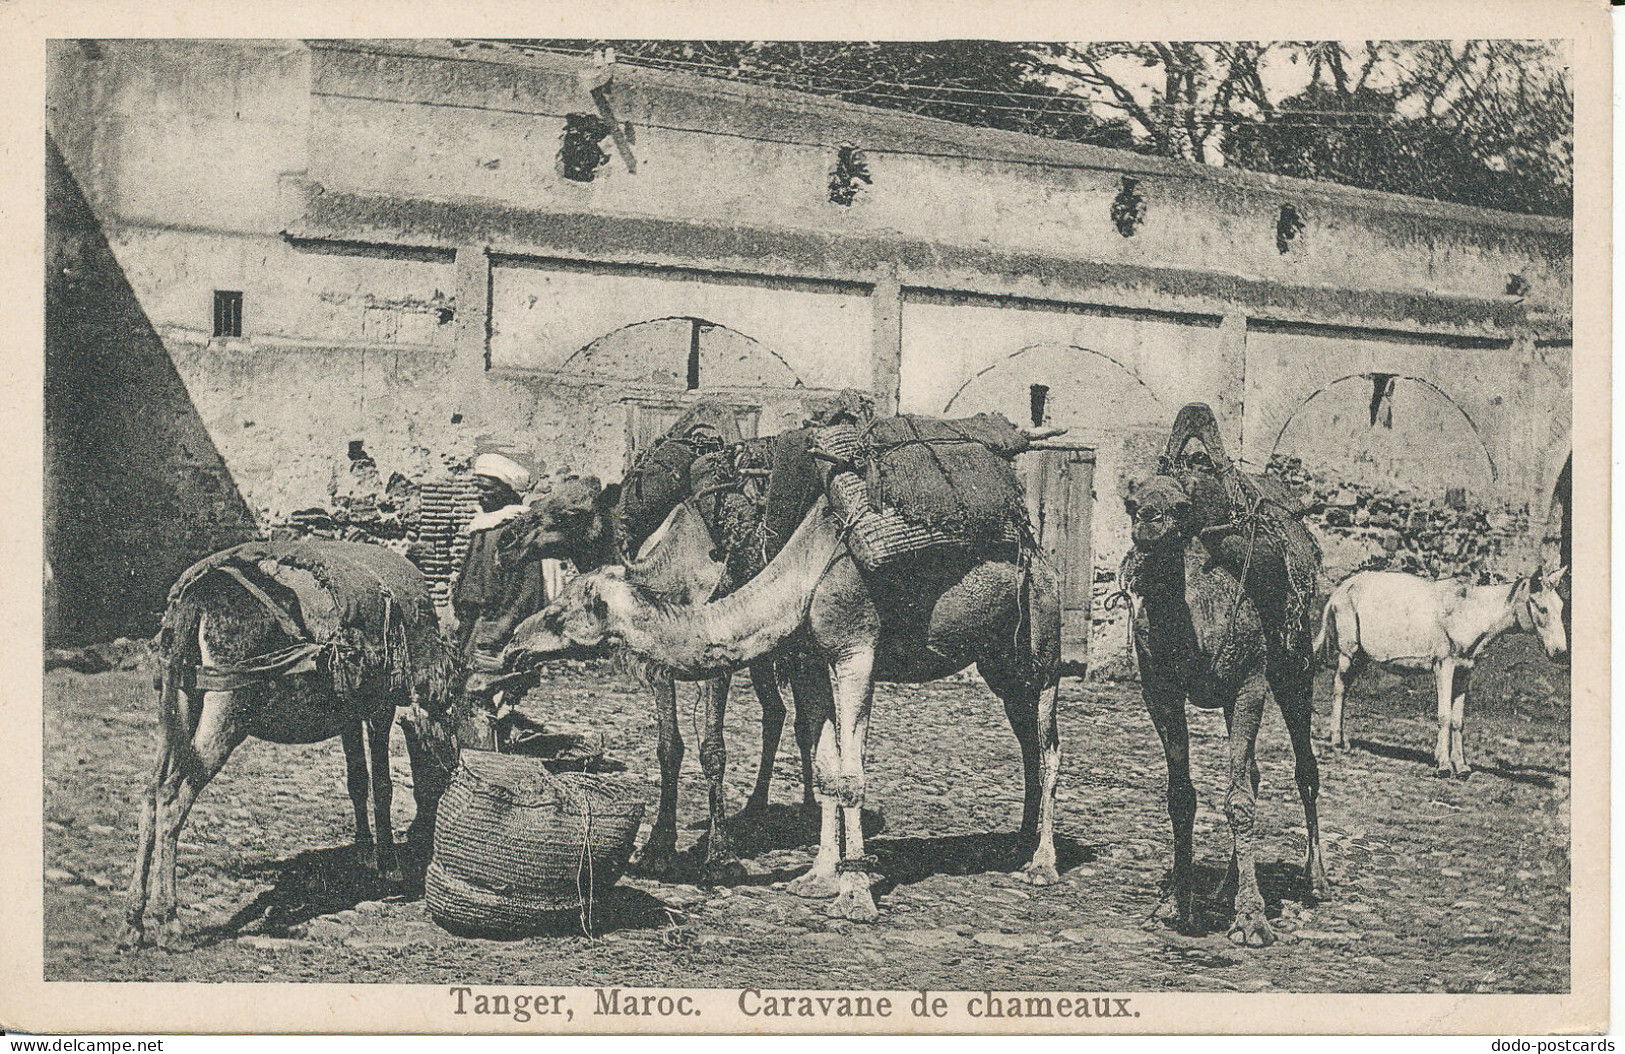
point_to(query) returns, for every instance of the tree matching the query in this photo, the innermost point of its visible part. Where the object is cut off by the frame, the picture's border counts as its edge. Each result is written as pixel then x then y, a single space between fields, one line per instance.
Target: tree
pixel 988 83
pixel 1481 122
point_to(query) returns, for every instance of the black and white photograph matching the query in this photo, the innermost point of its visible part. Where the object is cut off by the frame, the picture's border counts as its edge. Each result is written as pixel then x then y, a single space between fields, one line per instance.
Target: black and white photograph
pixel 707 534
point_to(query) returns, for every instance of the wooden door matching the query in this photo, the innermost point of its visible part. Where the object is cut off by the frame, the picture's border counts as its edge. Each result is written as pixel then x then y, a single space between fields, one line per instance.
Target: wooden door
pixel 1060 499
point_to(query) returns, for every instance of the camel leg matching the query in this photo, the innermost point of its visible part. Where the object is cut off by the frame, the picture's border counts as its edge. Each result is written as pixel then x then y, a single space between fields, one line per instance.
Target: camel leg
pixel 854 686
pixel 720 861
pixel 1167 708
pixel 1041 870
pixel 1458 717
pixel 659 853
pixel 136 903
pixel 1032 717
pixel 1295 697
pixel 1021 710
pixel 809 680
pixel 383 793
pixel 1250 927
pixel 765 679
pixel 1232 873
pixel 220 730
pixel 1444 675
pixel 814 703
pixel 355 779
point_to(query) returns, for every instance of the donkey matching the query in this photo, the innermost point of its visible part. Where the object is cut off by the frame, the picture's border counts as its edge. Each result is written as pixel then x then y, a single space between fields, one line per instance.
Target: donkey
pixel 1414 623
pixel 236 659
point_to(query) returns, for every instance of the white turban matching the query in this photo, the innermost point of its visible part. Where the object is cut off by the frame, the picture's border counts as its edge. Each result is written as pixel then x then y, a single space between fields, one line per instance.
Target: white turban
pixel 503 470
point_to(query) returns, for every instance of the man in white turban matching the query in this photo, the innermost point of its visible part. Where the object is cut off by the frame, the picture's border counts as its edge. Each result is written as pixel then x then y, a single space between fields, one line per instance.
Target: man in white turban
pixel 489 598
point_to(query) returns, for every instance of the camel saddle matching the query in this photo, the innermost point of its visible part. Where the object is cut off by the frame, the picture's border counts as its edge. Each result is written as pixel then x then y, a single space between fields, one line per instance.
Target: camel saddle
pixel 908 484
pixel 1251 524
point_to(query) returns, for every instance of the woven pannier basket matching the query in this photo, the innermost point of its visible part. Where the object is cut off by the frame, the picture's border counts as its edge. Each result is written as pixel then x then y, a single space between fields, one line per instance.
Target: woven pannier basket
pixel 515 845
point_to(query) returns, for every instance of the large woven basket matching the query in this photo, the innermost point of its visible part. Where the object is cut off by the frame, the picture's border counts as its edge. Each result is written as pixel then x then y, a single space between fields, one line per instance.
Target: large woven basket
pixel 879 539
pixel 515 845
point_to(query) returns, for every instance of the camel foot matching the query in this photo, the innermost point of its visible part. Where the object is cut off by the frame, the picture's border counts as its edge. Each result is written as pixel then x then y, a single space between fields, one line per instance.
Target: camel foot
pixel 170 937
pixel 1314 877
pixel 1252 930
pixel 1177 913
pixel 657 858
pixel 366 856
pixel 855 902
pixel 1040 874
pixel 724 870
pixel 815 885
pixel 1464 772
pixel 130 937
pixel 1441 772
pixel 753 808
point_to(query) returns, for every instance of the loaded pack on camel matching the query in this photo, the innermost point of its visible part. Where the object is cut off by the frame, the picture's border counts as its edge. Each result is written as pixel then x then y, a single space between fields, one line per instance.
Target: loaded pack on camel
pixel 901 486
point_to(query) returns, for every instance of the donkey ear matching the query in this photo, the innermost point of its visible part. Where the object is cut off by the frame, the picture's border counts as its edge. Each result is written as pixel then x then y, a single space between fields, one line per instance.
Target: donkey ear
pixel 1537 581
pixel 1132 505
pixel 1558 575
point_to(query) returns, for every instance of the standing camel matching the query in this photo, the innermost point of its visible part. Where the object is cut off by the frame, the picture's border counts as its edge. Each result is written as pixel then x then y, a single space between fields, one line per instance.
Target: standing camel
pixel 677 564
pixel 929 621
pixel 1199 636
pixel 1415 623
pixel 254 645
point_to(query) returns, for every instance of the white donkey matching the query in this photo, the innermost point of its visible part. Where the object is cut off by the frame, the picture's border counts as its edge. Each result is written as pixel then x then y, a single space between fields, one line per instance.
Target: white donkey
pixel 1414 623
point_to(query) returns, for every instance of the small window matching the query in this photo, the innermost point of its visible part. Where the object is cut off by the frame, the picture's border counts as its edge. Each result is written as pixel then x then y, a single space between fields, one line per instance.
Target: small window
pixel 228 313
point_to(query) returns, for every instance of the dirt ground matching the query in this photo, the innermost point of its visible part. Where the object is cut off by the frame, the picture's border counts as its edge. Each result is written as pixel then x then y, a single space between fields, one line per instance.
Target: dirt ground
pixel 1439 885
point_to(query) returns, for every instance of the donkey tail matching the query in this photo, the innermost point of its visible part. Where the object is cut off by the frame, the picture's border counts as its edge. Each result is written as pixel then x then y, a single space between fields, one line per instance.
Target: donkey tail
pixel 177 641
pixel 1326 639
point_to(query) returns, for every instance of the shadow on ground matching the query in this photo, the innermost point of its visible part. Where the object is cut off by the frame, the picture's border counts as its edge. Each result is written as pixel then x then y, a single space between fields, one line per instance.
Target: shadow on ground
pixel 1278 881
pixel 1534 775
pixel 312 883
pixel 905 861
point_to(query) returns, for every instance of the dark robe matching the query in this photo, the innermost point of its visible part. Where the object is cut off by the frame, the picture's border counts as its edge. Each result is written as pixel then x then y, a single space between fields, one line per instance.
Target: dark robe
pixel 490 600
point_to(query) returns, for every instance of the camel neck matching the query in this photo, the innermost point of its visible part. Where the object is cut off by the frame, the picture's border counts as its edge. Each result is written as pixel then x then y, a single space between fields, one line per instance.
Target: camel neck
pixel 706 639
pixel 1162 571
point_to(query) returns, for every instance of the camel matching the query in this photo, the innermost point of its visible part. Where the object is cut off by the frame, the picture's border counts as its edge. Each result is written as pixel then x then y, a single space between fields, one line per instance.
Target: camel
pixel 1415 623
pixel 236 659
pixel 678 564
pixel 928 620
pixel 1199 636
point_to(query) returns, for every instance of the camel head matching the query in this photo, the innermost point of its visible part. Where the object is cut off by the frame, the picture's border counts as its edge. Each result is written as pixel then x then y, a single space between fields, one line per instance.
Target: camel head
pixel 1542 612
pixel 574 626
pixel 1161 513
pixel 572 523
